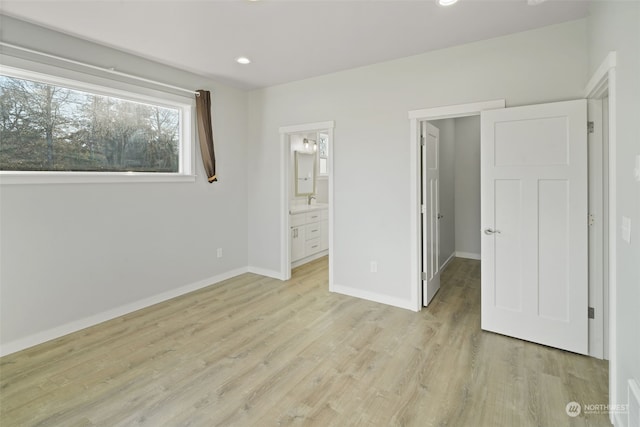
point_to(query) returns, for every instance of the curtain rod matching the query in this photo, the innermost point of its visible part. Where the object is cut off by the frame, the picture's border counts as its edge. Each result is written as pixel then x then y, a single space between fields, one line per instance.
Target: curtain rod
pixel 95 67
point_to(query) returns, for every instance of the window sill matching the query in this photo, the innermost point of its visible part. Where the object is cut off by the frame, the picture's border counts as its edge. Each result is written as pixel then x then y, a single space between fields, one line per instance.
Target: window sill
pixel 11 178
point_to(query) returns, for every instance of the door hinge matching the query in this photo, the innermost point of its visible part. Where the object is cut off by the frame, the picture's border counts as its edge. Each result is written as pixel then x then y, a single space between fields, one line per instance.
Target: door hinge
pixel 423 275
pixel 422 143
pixel 592 219
pixel 423 208
pixel 590 127
pixel 592 313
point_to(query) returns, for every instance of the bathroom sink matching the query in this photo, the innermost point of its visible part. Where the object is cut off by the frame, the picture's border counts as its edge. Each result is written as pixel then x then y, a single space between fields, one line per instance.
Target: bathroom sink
pixel 307 208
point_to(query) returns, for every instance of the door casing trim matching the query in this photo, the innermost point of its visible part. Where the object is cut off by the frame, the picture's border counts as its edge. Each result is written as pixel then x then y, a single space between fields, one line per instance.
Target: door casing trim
pixel 601 84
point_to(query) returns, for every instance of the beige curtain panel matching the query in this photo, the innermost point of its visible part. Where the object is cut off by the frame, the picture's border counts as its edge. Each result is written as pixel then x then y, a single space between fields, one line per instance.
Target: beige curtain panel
pixel 205 133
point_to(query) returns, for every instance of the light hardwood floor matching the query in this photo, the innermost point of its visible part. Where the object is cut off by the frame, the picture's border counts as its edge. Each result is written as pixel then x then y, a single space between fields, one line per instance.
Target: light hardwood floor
pixel 257 351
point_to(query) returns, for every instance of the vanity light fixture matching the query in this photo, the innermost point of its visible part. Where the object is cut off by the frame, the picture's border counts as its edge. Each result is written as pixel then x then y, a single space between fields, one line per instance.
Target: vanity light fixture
pixel 305 142
pixel 243 60
pixel 446 2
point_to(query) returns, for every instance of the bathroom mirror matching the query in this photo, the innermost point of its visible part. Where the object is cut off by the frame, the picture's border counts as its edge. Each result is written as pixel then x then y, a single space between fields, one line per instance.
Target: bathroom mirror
pixel 305 174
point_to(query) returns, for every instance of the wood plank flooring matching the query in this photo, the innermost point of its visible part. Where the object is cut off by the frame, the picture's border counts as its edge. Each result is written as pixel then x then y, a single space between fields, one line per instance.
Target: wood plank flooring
pixel 257 351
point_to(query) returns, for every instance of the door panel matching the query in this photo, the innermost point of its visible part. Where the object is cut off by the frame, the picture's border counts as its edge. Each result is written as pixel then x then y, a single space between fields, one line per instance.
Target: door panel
pixel 539 146
pixel 534 217
pixel 553 249
pixel 297 243
pixel 508 215
pixel 431 201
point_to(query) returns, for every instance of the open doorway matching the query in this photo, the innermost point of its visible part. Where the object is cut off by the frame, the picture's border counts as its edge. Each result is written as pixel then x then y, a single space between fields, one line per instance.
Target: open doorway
pixel 306 195
pixel 450 203
pixel 442 222
pixel 450 192
pixel 534 222
pixel 600 92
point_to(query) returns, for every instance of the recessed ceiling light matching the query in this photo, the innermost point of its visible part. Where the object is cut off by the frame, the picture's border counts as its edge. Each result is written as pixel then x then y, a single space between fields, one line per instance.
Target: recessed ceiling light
pixel 446 2
pixel 243 60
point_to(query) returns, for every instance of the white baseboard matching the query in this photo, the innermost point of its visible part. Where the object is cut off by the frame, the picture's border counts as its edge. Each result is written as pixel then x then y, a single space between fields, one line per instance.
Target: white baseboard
pixel 444 264
pixel 265 272
pixel 373 296
pixel 76 325
pixel 468 255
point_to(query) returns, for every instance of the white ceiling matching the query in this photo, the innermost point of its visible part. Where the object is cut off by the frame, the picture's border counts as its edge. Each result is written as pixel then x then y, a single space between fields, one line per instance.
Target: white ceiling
pixel 286 40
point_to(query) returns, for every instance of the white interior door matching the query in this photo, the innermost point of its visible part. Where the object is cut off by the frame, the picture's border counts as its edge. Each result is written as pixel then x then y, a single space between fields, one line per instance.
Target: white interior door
pixel 534 219
pixel 430 135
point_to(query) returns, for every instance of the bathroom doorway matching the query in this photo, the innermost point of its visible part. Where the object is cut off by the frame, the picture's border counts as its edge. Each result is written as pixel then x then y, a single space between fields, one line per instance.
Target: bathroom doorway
pixel 306 195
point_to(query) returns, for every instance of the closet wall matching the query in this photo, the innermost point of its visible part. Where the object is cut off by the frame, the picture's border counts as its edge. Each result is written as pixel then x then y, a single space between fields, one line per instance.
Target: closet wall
pixel 467 187
pixel 459 187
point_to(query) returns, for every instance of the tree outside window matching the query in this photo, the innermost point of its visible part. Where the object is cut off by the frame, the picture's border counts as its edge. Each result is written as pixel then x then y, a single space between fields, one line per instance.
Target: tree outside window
pixel 45 127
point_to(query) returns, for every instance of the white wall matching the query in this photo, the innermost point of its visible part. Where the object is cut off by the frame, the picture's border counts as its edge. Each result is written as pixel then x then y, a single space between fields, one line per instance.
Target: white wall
pixel 322 190
pixel 615 26
pixel 72 252
pixel 447 187
pixel 467 186
pixel 371 142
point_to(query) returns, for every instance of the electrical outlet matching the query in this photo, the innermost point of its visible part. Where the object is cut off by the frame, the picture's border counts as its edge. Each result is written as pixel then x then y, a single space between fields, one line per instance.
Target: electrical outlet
pixel 219 252
pixel 374 266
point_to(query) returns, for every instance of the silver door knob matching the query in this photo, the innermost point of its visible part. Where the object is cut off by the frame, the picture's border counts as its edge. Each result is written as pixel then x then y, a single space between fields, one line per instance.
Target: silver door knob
pixel 440 216
pixel 490 231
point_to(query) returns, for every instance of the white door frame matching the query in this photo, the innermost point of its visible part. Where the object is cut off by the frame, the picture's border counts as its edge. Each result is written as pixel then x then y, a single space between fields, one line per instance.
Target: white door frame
pixel 597 228
pixel 285 174
pixel 601 84
pixel 415 117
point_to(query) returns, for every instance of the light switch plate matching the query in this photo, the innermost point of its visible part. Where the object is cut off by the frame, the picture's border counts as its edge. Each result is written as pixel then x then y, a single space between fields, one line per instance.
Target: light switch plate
pixel 636 171
pixel 626 229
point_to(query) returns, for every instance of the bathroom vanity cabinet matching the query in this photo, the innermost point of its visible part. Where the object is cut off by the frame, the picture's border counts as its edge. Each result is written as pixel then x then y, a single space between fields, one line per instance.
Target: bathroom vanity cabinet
pixel 309 233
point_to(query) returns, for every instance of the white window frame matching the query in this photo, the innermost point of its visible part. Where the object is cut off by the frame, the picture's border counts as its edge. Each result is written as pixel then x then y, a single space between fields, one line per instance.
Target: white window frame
pixel 44 73
pixel 323 176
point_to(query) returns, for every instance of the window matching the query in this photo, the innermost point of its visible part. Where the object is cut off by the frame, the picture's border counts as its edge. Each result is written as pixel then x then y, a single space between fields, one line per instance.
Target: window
pixel 323 154
pixel 59 128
